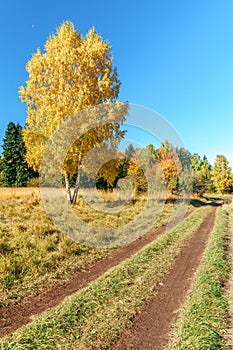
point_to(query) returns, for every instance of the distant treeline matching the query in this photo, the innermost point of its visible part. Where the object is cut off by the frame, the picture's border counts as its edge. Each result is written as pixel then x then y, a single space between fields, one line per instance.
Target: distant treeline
pixel 174 167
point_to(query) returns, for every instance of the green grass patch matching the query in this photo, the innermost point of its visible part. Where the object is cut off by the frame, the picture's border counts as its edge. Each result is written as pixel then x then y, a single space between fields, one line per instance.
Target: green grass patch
pixel 93 317
pixel 204 316
pixel 229 287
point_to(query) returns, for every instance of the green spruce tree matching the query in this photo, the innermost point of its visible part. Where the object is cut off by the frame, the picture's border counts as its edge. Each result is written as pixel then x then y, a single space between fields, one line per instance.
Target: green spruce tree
pixel 201 169
pixel 130 150
pixel 15 171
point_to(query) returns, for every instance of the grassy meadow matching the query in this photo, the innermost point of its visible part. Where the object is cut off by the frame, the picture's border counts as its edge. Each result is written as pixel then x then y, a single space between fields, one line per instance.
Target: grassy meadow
pixel 93 317
pixel 34 254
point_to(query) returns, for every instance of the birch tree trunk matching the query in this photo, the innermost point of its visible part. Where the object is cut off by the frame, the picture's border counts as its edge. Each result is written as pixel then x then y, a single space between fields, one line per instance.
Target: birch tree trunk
pixel 77 182
pixel 75 194
pixel 68 193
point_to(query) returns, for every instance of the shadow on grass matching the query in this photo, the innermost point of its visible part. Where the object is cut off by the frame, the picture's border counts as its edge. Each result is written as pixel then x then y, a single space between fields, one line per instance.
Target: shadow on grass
pixel 203 201
pixel 213 201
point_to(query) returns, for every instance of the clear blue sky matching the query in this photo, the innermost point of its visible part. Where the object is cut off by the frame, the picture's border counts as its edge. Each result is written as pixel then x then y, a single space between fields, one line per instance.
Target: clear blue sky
pixel 173 56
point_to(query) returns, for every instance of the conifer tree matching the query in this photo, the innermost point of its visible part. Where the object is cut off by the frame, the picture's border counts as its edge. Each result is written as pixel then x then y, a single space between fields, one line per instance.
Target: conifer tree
pixel 15 171
pixel 201 169
pixel 130 150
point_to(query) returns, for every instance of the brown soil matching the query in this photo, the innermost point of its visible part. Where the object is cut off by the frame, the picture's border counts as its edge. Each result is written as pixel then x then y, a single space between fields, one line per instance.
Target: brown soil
pixel 151 328
pixel 14 316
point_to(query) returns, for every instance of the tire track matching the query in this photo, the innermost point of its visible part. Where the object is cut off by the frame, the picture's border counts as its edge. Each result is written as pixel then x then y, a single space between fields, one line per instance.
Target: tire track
pixel 15 316
pixel 150 329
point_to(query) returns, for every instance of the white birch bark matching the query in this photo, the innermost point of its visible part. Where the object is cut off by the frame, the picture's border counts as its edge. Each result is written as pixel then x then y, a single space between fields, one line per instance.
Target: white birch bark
pixel 68 193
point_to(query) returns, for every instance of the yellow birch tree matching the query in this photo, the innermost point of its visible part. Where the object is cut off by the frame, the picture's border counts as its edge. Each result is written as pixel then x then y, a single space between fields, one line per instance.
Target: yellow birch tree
pixel 221 175
pixel 170 165
pixel 71 74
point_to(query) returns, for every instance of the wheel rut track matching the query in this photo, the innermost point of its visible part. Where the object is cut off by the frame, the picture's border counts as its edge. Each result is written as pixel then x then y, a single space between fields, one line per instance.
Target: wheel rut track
pixel 150 329
pixel 16 315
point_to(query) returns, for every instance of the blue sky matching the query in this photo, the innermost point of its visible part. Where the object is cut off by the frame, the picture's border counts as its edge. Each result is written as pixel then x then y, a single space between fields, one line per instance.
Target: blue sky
pixel 173 56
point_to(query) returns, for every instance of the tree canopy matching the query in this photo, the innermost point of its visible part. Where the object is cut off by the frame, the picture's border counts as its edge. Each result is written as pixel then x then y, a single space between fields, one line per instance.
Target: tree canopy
pixel 72 73
pixel 201 169
pixel 221 175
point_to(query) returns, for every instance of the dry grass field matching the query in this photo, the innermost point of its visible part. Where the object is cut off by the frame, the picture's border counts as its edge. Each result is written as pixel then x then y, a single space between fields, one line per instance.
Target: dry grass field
pixel 34 254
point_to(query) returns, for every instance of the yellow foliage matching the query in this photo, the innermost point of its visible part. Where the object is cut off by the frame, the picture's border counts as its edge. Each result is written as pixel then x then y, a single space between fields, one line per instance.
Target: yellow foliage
pixel 221 175
pixel 109 171
pixel 169 168
pixel 137 175
pixel 73 73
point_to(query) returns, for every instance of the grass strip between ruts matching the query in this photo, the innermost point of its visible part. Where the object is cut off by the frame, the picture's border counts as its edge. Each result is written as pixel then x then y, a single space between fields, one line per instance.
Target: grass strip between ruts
pixel 93 317
pixel 228 336
pixel 204 316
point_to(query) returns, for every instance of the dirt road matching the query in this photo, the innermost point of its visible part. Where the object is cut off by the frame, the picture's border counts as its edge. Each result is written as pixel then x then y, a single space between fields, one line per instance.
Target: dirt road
pixel 17 315
pixel 150 329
